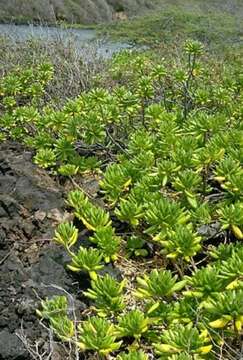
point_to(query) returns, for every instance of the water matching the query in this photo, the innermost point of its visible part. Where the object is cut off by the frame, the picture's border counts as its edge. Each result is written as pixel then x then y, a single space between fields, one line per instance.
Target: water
pixel 80 37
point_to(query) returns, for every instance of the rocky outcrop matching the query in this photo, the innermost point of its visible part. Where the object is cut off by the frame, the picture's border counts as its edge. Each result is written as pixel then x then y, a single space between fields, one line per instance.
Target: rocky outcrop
pixel 27 259
pixel 72 11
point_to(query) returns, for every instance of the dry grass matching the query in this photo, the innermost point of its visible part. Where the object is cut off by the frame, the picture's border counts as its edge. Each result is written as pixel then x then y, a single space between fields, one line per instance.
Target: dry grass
pixel 75 69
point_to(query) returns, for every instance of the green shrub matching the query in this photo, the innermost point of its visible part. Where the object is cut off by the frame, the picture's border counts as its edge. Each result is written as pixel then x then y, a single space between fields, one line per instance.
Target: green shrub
pixel 163 145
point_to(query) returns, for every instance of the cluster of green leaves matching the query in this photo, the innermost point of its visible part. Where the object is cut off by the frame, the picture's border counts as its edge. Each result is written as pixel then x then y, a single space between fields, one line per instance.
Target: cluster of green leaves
pixel 21 92
pixel 174 138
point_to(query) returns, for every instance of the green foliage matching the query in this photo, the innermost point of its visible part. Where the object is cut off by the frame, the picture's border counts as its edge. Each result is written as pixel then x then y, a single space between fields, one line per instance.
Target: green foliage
pixel 176 21
pixel 129 211
pixel 115 182
pixel 55 307
pixel 63 327
pixel 226 309
pixel 180 243
pixel 135 246
pixel 132 324
pixel 133 355
pixel 202 214
pixel 107 294
pixel 231 269
pixel 162 145
pixel 164 214
pixel 158 285
pixel 45 158
pixel 181 339
pixel 107 241
pixel 231 216
pixel 182 356
pixel 77 199
pixel 226 168
pixel 87 260
pixel 93 217
pixel 66 234
pixel 55 310
pixel 98 334
pixel 193 47
pixel 184 311
pixel 225 251
pixel 68 170
pixel 205 283
pixel 188 182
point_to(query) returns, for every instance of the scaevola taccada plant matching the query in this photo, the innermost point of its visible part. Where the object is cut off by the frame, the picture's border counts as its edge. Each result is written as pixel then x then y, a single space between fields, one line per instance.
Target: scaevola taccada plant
pixel 162 254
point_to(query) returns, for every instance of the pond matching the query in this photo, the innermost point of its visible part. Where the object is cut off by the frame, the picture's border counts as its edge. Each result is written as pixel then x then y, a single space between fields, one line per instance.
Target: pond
pixel 80 37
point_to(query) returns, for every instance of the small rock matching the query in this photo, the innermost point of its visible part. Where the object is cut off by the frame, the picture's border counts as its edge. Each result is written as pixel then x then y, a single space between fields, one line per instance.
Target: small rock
pixel 209 231
pixel 11 347
pixel 40 215
pixel 58 216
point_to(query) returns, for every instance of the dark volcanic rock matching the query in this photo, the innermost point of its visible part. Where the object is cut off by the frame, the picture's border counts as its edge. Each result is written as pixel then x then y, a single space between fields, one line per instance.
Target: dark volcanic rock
pixel 31 204
pixel 11 347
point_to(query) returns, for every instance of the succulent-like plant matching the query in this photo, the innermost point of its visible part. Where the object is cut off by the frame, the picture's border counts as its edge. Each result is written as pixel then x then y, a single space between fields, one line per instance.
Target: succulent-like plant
pixel 93 217
pixel 68 170
pixel 193 47
pixel 180 243
pixel 132 355
pixel 87 260
pixel 140 140
pixel 226 168
pixel 108 242
pixel 231 270
pixel 226 310
pixel 99 335
pixel 225 251
pixel 231 217
pixel 164 214
pixel 129 211
pixel 66 235
pixel 136 246
pixel 184 311
pixel 205 283
pixel 45 158
pixel 184 356
pixel 63 327
pixel 168 142
pixel 158 285
pixel 234 186
pixel 115 183
pixel 188 183
pixel 202 214
pixel 167 169
pixel 139 165
pixel 64 149
pixel 55 311
pixel 77 199
pixel 107 294
pixel 55 307
pixel 133 324
pixel 183 339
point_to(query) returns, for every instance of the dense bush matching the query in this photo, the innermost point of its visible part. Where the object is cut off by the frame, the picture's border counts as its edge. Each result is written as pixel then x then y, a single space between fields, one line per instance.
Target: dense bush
pixel 168 139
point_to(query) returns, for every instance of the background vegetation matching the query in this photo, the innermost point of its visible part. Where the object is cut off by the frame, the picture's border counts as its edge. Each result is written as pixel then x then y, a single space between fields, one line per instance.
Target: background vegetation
pixel 72 11
pixel 212 22
pixel 95 11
